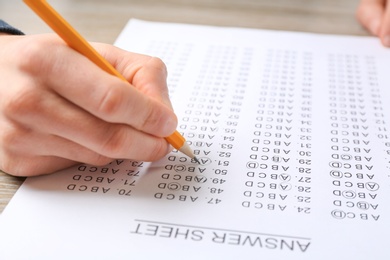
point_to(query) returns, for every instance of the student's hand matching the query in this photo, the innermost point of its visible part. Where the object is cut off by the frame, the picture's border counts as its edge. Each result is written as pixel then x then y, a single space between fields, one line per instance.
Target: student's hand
pixel 57 108
pixel 374 15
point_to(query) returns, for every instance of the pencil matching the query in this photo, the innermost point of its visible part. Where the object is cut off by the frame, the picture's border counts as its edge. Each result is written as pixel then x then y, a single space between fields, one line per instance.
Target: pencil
pixel 52 18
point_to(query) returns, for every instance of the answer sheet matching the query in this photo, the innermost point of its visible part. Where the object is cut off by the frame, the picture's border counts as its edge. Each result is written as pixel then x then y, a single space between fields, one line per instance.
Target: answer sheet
pixel 292 131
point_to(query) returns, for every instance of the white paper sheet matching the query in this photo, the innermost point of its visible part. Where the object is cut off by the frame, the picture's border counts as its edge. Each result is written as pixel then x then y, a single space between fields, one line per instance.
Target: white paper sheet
pixel 293 133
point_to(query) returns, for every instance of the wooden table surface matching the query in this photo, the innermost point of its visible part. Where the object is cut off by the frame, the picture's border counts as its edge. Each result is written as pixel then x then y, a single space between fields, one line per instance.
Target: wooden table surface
pixel 102 20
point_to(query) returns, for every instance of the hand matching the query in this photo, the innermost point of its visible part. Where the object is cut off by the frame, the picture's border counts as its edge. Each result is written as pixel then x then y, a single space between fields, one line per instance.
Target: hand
pixel 374 15
pixel 57 108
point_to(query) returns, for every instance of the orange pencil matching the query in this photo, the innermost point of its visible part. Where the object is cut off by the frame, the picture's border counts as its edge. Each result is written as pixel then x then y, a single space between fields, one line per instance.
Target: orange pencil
pixel 78 43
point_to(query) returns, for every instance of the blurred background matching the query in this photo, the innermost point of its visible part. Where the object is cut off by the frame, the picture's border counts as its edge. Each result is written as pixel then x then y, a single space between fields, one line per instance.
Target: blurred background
pixel 102 20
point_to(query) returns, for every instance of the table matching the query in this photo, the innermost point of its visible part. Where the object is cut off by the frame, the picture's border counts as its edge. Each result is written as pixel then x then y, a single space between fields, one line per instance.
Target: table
pixel 102 20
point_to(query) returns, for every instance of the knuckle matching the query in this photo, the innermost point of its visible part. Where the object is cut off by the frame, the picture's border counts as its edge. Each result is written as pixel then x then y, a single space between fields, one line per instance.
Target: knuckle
pixel 113 141
pixel 158 64
pixel 111 100
pixel 31 56
pixel 10 138
pixel 23 103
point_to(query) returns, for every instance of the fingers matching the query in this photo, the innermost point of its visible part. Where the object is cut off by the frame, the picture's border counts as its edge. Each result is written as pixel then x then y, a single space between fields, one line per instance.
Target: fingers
pixel 374 15
pixel 33 165
pixel 369 14
pixel 53 115
pixel 113 100
pixel 385 28
pixel 36 142
pixel 57 107
pixel 19 156
pixel 25 142
pixel 78 80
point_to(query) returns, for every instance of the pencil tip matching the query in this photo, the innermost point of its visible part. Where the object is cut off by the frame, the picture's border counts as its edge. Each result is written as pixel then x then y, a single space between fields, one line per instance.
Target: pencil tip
pixel 186 149
pixel 196 160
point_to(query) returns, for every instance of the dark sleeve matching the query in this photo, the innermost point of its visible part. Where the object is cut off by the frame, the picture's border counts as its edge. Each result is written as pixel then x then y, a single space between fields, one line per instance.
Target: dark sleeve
pixel 6 28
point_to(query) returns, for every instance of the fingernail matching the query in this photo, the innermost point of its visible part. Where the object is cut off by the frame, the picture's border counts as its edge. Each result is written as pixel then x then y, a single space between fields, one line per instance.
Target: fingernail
pixel 386 41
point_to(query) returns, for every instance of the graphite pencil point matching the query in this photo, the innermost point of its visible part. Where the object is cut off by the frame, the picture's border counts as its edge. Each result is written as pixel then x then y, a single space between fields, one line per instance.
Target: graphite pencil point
pixel 196 160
